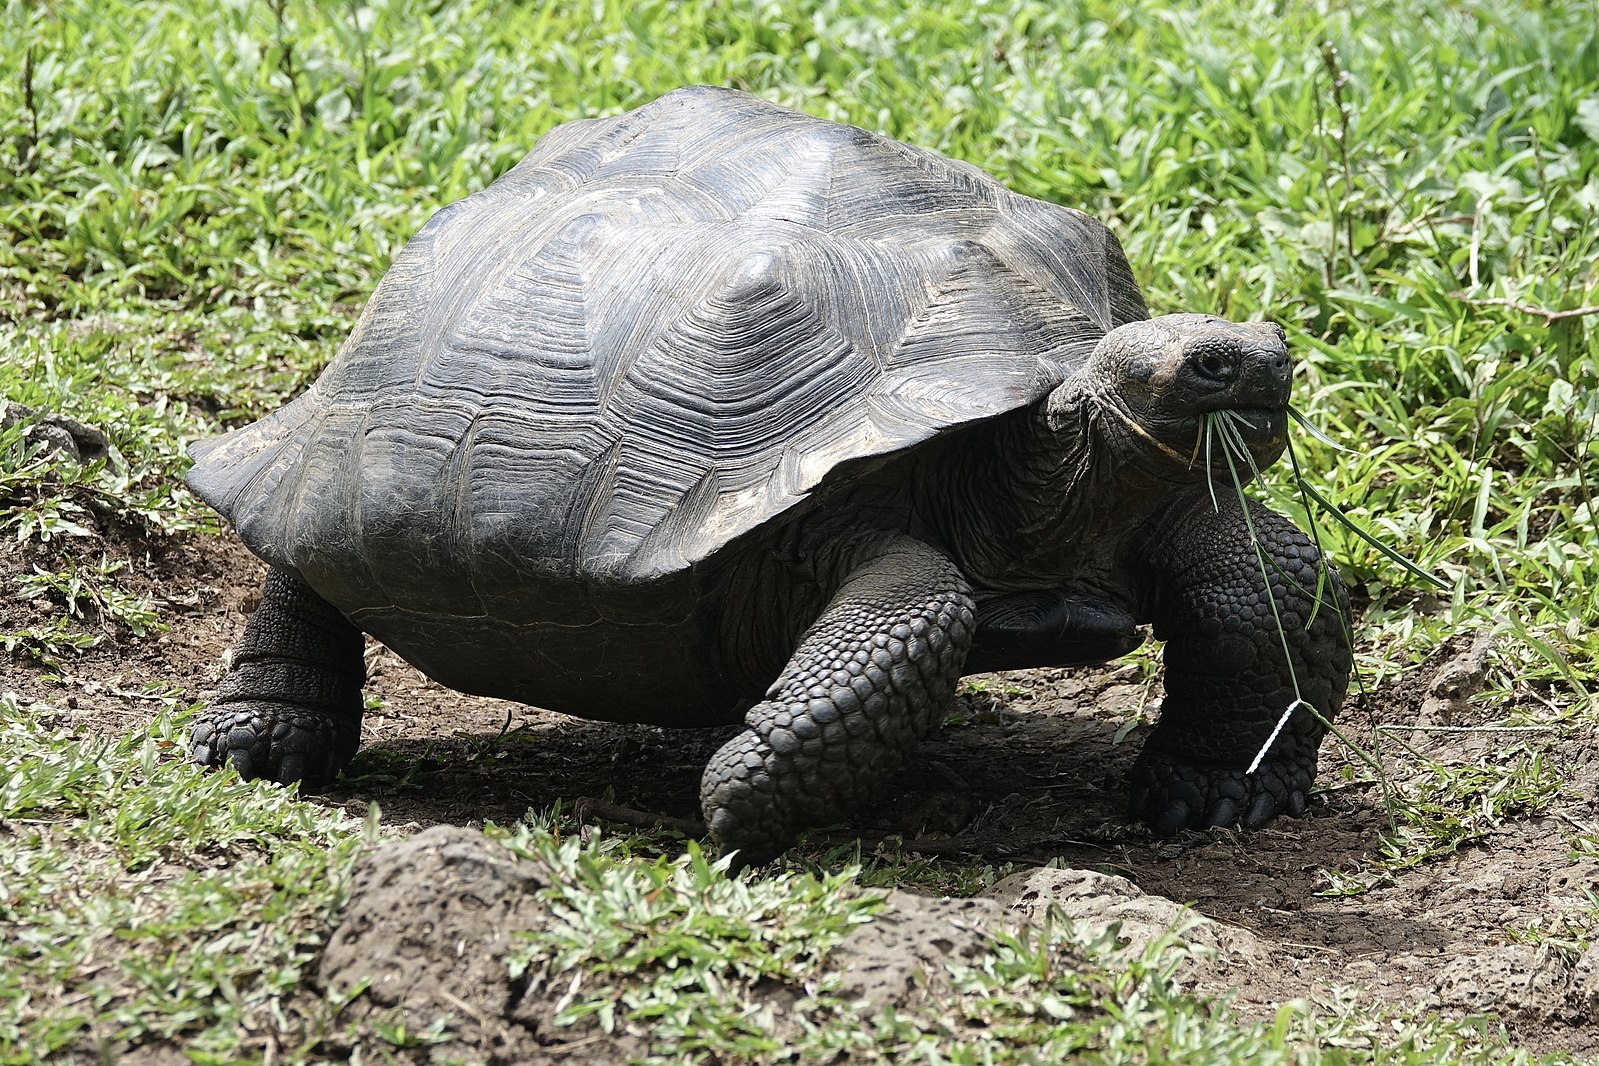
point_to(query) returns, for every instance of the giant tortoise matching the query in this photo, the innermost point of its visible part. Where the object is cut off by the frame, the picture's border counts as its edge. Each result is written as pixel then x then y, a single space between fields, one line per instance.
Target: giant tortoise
pixel 714 412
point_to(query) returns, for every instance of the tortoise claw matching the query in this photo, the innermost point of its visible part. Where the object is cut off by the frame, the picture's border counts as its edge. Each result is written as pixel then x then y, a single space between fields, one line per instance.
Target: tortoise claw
pixel 1263 810
pixel 1225 812
pixel 1172 794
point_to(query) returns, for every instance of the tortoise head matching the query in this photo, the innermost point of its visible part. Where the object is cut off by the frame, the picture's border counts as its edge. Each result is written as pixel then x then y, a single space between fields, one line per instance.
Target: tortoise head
pixel 1158 380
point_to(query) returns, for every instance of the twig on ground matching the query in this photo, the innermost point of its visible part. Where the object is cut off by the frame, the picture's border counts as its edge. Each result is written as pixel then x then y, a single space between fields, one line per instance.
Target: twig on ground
pixel 1581 827
pixel 463 1006
pixel 588 810
pixel 571 1046
pixel 1402 727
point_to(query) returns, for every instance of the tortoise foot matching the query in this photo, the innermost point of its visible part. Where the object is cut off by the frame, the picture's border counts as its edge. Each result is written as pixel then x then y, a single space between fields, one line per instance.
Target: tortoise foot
pixel 275 741
pixel 1171 794
pixel 290 707
pixel 742 810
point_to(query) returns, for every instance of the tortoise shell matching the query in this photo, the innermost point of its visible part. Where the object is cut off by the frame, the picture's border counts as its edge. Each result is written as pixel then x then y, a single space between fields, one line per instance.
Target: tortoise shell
pixel 657 333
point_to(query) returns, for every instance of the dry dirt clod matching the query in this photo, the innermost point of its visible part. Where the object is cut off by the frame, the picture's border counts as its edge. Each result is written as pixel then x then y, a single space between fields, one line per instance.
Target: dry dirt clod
pixel 430 922
pixel 1585 985
pixel 1462 677
pixel 1569 886
pixel 1525 979
pixel 900 956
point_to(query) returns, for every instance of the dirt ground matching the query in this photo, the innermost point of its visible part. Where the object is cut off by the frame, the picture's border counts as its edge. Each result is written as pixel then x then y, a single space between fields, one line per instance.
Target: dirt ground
pixel 1032 773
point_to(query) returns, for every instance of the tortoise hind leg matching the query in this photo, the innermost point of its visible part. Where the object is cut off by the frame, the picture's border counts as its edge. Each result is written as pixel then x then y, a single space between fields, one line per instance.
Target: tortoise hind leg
pixel 290 707
pixel 1048 627
pixel 874 674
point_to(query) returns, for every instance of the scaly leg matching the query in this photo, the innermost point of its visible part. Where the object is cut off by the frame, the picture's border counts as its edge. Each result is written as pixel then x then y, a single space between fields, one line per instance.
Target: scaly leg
pixel 1228 678
pixel 290 708
pixel 873 675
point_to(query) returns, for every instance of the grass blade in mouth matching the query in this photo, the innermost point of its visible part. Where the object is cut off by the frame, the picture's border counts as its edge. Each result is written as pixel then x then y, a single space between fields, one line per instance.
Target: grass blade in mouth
pixel 1211 420
pixel 1231 433
pixel 1308 492
pixel 1232 438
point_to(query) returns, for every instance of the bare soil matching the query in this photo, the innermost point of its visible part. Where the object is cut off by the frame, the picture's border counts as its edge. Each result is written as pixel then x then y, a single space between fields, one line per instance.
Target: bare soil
pixel 1025 777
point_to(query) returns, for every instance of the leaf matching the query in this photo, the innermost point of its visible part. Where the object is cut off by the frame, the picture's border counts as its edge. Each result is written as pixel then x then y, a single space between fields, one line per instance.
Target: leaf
pixel 1315 431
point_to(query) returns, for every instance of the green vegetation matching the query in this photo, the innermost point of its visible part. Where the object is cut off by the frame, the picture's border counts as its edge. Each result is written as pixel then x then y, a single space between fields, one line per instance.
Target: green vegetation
pixel 145 900
pixel 142 898
pixel 693 958
pixel 195 199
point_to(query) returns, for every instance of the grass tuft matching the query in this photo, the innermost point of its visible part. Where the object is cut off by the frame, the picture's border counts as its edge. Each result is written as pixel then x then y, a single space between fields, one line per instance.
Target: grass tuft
pixel 145 901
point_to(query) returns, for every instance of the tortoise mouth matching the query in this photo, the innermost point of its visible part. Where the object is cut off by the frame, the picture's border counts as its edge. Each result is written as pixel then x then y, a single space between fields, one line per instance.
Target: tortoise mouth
pixel 1257 423
pixel 1263 431
pixel 1214 432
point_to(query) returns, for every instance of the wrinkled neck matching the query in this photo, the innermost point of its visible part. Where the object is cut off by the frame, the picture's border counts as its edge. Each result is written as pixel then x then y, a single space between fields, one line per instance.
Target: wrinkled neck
pixel 1052 493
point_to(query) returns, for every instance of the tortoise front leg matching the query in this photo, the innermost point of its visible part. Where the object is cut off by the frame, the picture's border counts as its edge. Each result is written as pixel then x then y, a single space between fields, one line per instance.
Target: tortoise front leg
pixel 290 707
pixel 873 675
pixel 1234 666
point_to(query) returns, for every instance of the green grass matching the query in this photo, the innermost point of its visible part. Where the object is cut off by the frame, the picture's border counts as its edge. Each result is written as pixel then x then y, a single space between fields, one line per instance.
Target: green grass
pixel 198 200
pixel 143 899
pixel 195 199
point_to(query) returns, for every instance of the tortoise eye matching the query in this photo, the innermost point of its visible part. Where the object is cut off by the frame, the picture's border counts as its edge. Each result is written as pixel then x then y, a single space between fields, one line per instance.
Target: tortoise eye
pixel 1216 364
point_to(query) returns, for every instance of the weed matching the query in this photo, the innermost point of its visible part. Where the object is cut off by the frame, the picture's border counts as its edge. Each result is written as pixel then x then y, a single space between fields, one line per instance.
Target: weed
pixel 46 644
pixel 1436 809
pixel 1571 932
pixel 112 868
pixel 80 589
pixel 1448 806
